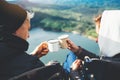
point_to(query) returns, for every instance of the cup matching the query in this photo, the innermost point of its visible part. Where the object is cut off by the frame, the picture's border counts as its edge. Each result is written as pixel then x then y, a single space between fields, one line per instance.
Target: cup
pixel 53 45
pixel 62 40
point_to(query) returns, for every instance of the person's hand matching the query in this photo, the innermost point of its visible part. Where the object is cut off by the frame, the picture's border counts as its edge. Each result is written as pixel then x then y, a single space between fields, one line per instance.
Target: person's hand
pixel 72 46
pixel 41 50
pixel 77 64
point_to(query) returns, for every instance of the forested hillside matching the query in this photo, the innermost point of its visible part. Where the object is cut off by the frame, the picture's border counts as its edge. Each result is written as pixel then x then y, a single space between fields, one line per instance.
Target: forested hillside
pixel 69 15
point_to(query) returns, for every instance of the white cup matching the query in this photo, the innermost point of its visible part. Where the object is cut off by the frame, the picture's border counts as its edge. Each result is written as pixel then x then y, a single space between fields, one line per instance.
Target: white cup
pixel 53 45
pixel 62 39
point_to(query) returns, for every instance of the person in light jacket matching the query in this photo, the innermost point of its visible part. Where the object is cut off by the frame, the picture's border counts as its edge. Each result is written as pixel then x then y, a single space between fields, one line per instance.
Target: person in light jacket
pixel 105 66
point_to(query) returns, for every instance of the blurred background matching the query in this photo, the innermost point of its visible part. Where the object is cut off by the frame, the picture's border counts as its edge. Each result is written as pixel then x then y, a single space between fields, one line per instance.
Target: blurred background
pixel 53 18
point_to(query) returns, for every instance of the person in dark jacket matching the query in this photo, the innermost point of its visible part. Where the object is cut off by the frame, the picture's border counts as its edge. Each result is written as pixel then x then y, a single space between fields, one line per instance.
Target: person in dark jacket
pixel 105 66
pixel 14 31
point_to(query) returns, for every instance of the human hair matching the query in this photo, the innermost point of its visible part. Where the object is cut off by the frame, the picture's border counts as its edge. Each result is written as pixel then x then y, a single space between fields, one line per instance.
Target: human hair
pixel 98 18
pixel 97 21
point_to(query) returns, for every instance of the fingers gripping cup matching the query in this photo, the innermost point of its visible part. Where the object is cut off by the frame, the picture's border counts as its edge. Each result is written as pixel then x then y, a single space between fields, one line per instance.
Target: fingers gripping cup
pixel 53 45
pixel 62 39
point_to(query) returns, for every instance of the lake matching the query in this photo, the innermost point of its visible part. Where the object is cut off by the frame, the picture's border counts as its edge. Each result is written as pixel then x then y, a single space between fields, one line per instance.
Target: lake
pixel 39 35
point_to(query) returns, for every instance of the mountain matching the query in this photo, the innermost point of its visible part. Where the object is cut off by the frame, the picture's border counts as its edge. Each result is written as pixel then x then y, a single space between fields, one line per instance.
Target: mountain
pixel 92 3
pixel 88 2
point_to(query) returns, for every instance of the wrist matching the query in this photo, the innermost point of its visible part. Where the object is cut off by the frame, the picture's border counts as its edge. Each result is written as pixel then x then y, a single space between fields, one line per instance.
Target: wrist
pixel 79 50
pixel 36 54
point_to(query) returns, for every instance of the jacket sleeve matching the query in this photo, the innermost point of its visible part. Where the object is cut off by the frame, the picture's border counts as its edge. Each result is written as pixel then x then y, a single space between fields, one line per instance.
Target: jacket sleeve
pixel 42 73
pixel 74 74
pixel 82 53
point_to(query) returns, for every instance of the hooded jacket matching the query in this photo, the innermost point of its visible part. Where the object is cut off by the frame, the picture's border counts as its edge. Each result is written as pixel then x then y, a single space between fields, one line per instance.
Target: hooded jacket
pixel 13 57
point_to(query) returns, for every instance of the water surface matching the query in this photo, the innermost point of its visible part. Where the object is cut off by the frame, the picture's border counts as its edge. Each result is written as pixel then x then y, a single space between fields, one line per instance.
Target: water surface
pixel 38 35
